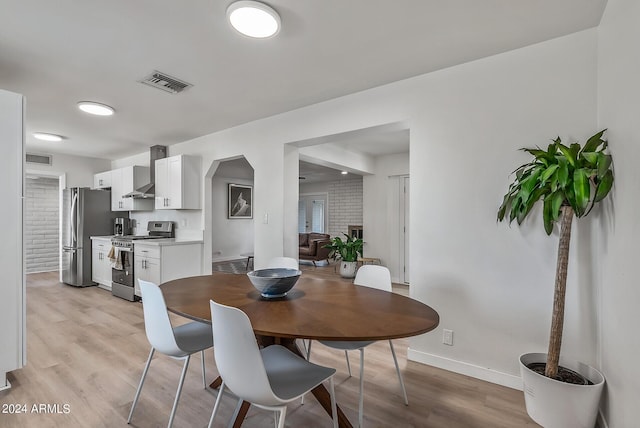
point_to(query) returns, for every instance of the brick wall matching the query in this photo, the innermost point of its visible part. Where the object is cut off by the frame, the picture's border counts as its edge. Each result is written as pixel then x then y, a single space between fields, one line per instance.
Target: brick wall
pixel 41 224
pixel 345 205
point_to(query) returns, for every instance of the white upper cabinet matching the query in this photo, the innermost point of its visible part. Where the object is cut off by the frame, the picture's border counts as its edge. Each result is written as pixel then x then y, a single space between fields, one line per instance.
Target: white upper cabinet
pixel 178 183
pixel 126 180
pixel 102 180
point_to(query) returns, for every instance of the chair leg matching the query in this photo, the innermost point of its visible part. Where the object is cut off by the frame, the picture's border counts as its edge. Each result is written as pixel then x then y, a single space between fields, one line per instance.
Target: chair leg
pixel 175 402
pixel 283 414
pixel 334 410
pixel 144 375
pixel 236 412
pixel 308 358
pixel 215 407
pixel 204 373
pixel 275 419
pixel 346 355
pixel 361 403
pixel 395 360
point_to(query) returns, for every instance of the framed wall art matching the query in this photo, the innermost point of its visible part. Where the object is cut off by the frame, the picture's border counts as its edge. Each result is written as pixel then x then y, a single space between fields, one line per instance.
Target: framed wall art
pixel 240 201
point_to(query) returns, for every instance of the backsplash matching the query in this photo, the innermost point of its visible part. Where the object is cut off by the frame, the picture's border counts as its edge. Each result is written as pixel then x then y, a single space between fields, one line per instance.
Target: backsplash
pixel 188 223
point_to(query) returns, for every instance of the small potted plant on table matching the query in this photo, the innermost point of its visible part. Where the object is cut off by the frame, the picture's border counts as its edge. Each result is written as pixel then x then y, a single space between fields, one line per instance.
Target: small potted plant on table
pixel 346 252
pixel 570 181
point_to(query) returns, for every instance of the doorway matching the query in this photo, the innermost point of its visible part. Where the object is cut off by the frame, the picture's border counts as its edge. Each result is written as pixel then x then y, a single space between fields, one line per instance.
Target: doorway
pixel 404 226
pixel 312 213
pixel 232 231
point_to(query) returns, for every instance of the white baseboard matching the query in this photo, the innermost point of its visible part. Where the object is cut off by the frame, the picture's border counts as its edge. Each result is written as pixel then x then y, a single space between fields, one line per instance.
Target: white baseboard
pixel 104 286
pixel 6 385
pixel 467 369
pixel 482 373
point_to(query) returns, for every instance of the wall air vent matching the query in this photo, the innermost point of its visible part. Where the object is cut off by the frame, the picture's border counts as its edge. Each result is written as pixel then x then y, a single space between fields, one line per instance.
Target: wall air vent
pixel 165 82
pixel 39 159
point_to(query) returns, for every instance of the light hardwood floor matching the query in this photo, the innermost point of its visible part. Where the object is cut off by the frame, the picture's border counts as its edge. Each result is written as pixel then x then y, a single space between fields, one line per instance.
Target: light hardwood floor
pixel 87 349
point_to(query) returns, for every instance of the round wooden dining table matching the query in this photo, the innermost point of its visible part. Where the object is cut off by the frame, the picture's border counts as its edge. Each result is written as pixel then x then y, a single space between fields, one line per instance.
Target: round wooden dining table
pixel 317 309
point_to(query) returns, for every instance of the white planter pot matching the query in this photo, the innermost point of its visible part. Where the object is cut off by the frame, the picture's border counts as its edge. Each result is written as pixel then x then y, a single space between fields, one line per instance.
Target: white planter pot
pixel 555 404
pixel 348 269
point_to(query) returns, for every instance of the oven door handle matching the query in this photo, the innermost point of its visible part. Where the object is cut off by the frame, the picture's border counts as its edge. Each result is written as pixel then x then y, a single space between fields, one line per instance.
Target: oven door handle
pixel 125 249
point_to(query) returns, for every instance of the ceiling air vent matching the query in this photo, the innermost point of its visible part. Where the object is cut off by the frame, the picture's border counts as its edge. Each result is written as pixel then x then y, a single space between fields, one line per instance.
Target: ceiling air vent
pixel 39 159
pixel 165 82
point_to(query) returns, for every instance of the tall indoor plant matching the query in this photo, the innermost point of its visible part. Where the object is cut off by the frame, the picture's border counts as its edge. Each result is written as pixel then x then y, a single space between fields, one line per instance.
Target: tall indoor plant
pixel 569 180
pixel 347 253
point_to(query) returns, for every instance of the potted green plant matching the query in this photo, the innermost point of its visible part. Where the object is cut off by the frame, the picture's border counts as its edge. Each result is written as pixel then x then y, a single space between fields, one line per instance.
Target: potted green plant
pixel 569 180
pixel 346 252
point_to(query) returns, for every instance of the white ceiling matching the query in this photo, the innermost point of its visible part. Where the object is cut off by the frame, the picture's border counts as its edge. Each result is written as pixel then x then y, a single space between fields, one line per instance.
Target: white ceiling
pixel 60 52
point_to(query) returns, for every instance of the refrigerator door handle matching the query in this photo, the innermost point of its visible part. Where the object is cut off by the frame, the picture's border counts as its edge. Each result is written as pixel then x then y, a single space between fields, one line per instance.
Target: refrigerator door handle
pixel 74 218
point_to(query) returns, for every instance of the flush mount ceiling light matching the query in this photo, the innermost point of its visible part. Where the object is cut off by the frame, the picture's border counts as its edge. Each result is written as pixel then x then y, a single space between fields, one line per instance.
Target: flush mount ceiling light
pixel 254 19
pixel 344 173
pixel 95 108
pixel 44 136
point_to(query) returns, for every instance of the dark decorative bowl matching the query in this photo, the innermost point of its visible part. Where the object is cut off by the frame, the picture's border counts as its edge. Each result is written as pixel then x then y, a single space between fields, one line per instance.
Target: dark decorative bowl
pixel 275 282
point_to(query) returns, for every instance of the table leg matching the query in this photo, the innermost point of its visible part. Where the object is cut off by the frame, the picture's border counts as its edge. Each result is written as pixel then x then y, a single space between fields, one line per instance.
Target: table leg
pixel 240 414
pixel 216 383
pixel 242 410
pixel 324 398
pixel 319 392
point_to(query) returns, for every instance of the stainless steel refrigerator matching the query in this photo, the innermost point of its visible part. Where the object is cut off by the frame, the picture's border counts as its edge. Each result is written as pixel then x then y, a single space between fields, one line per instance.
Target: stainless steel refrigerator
pixel 85 213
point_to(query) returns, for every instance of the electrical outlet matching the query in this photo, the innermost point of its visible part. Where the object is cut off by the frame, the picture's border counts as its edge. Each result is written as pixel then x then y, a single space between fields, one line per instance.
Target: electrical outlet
pixel 447 337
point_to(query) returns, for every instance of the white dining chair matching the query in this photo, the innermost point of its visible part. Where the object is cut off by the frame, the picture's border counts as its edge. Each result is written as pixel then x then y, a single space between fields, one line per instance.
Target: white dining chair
pixel 268 378
pixel 176 342
pixel 378 277
pixel 283 262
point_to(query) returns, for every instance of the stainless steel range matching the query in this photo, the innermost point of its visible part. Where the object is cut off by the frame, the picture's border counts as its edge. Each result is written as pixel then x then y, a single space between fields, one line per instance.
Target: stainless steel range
pixel 122 274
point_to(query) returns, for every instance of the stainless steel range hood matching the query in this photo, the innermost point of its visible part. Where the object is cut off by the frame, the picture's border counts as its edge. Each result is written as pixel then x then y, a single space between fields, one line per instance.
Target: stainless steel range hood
pixel 148 190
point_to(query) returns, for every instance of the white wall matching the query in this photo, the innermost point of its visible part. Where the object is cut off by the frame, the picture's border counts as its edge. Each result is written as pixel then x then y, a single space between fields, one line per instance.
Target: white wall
pixel 618 228
pixel 78 170
pixel 12 286
pixel 491 284
pixel 231 237
pixel 307 188
pixel 381 211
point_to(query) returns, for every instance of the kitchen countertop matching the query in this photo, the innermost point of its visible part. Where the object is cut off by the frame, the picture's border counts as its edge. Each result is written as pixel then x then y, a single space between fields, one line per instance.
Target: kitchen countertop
pixel 102 237
pixel 166 241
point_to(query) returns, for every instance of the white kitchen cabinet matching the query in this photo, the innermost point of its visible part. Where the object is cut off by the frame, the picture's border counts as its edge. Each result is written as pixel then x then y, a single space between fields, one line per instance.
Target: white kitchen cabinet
pixel 12 289
pixel 146 268
pixel 126 180
pixel 159 262
pixel 102 180
pixel 100 263
pixel 178 183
